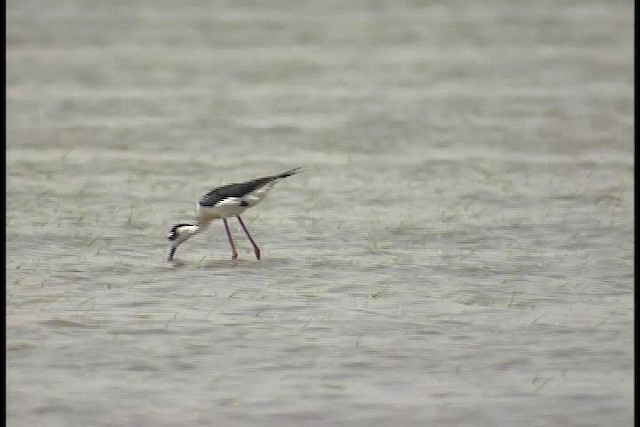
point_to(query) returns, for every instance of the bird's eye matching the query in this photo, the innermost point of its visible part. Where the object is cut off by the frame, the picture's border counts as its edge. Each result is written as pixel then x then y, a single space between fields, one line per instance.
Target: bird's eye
pixel 171 236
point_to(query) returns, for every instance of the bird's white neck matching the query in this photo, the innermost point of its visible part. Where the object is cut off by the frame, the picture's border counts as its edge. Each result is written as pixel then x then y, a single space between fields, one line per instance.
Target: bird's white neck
pixel 186 232
pixel 190 230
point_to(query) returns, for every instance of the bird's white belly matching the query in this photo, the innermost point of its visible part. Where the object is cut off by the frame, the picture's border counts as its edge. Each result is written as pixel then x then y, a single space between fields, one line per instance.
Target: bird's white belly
pixel 220 211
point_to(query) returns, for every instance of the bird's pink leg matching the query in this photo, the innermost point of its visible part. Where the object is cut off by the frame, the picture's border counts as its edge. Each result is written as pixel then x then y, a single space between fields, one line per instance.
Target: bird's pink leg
pixel 256 249
pixel 234 253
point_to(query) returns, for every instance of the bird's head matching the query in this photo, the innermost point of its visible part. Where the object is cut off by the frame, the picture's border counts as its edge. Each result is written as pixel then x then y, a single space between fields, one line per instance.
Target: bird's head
pixel 178 234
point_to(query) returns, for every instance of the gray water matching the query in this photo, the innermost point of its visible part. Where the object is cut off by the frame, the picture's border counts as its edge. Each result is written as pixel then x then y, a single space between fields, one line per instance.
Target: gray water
pixel 458 250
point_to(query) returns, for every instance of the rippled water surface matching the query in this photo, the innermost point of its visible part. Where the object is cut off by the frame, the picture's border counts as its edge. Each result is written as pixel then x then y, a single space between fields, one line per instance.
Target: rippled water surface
pixel 458 250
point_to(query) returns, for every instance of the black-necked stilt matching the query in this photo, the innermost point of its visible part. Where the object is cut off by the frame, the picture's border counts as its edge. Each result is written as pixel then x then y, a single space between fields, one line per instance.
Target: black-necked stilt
pixel 222 203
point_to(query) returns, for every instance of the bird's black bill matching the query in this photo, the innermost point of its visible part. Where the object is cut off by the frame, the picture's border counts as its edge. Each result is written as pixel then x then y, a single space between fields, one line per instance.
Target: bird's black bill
pixel 172 251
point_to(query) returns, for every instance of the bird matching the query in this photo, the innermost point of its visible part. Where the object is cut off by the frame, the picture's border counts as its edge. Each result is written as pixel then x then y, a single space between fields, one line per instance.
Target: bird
pixel 225 202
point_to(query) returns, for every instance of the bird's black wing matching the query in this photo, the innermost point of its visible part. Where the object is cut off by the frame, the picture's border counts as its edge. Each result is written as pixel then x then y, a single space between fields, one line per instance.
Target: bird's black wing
pixel 240 189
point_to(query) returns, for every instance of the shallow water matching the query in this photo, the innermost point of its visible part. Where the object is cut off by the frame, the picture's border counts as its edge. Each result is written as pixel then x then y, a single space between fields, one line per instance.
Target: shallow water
pixel 457 251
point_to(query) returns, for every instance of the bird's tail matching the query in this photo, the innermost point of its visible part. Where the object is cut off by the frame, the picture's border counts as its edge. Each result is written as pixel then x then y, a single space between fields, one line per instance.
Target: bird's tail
pixel 289 172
